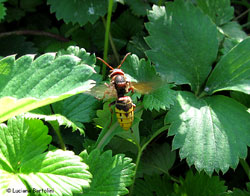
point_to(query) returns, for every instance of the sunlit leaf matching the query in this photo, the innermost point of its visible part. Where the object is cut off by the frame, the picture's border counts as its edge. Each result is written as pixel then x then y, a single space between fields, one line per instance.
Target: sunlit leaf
pixel 26 83
pixel 212 132
pixel 180 48
pixel 232 71
pixel 26 166
pixel 111 174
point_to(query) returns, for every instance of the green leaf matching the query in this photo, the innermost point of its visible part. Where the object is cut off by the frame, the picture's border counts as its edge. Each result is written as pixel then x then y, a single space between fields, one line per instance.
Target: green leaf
pixel 2 10
pixel 153 185
pixel 26 166
pixel 26 83
pixel 111 174
pixel 228 44
pixel 55 118
pixel 103 116
pixel 201 184
pixel 161 96
pixel 238 192
pixel 60 171
pixel 212 132
pixel 78 11
pixel 79 108
pixel 232 71
pixel 137 45
pixel 180 48
pixel 219 11
pixel 234 30
pixel 120 145
pixel 30 5
pixel 138 70
pixel 85 57
pixel 124 27
pixel 14 14
pixel 71 112
pixel 139 7
pixel 158 159
pixel 16 138
pixel 241 97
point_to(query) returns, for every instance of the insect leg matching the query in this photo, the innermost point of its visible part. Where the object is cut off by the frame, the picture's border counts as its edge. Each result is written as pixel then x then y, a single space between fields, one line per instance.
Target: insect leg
pixel 105 93
pixel 134 106
pixel 131 88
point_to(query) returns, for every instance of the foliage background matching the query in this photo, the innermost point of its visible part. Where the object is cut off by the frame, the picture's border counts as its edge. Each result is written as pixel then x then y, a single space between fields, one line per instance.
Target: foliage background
pixel 190 135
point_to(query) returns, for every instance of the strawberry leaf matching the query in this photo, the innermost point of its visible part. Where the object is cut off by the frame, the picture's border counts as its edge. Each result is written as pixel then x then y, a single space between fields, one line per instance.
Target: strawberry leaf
pixel 158 159
pixel 78 11
pixel 111 174
pixel 232 71
pixel 141 71
pixel 219 11
pixel 212 132
pixel 180 48
pixel 153 185
pixel 26 166
pixel 201 184
pixel 26 83
pixel 138 7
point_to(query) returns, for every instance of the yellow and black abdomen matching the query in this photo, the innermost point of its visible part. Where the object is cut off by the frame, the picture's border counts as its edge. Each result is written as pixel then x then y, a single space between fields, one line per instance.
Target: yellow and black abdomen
pixel 124 109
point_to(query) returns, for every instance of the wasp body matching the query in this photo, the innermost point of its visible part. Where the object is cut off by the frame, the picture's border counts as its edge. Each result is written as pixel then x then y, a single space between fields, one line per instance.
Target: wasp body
pixel 124 107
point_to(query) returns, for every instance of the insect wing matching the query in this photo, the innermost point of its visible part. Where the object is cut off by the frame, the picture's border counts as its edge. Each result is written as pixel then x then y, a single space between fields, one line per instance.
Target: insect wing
pixel 146 87
pixel 102 91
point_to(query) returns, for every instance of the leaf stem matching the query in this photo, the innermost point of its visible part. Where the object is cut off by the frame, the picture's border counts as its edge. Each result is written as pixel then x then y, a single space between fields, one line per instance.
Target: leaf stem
pixel 112 44
pixel 58 133
pixel 245 25
pixel 140 151
pixel 245 167
pixel 35 32
pixel 105 52
pixel 242 14
pixel 159 131
pixel 136 168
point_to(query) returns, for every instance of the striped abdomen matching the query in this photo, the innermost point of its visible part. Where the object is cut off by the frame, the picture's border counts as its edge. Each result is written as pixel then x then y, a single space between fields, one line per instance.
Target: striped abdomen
pixel 124 109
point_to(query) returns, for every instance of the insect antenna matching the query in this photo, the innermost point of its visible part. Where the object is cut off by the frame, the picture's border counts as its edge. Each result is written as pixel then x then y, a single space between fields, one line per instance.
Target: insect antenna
pixel 123 60
pixel 105 63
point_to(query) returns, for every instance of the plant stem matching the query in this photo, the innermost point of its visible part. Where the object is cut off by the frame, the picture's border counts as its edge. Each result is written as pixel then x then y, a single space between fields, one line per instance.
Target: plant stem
pixel 58 133
pixel 245 167
pixel 203 93
pixel 34 32
pixel 136 167
pixel 112 44
pixel 245 25
pixel 140 151
pixel 242 14
pixel 106 41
